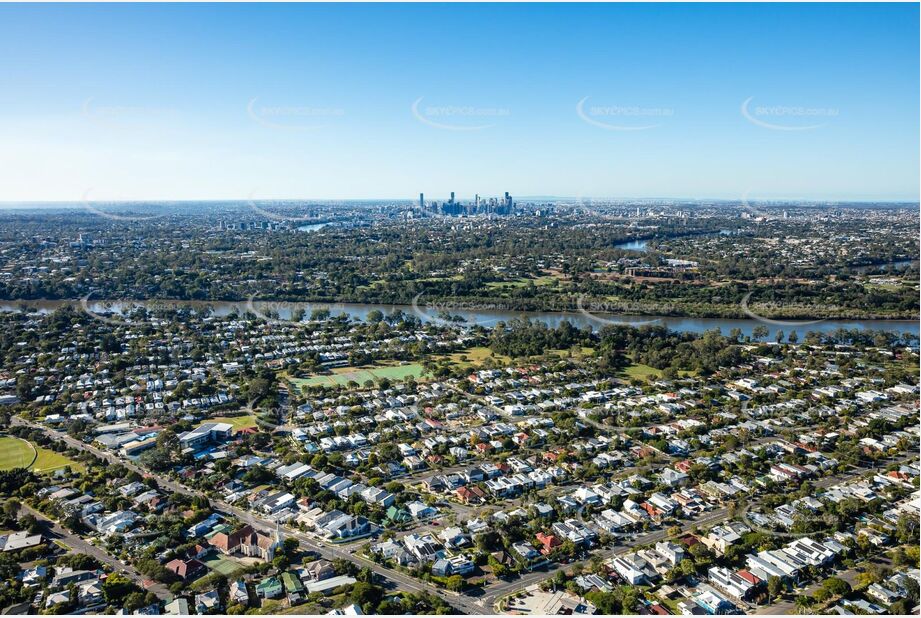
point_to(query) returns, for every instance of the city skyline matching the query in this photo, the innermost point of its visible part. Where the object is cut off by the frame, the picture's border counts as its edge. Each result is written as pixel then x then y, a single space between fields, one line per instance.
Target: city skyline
pixel 187 103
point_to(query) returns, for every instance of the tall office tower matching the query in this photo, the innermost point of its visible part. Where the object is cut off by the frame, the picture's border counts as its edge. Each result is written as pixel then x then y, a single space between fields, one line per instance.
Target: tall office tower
pixel 476 202
pixel 452 198
pixel 421 202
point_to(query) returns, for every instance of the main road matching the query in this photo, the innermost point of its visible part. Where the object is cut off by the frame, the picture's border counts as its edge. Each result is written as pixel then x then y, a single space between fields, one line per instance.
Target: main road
pixel 328 551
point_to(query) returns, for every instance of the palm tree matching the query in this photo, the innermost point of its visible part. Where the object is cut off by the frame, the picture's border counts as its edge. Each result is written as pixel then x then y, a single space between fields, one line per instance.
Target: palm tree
pixel 803 605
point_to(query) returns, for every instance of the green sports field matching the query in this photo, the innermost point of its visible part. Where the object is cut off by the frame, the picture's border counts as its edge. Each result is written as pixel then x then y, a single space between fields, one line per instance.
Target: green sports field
pixel 17 453
pixel 238 422
pixel 344 375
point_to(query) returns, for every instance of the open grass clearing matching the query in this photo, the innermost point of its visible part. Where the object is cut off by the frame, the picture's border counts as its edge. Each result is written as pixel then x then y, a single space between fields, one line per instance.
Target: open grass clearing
pixel 50 461
pixel 642 372
pixel 237 422
pixel 474 357
pixel 523 282
pixel 344 375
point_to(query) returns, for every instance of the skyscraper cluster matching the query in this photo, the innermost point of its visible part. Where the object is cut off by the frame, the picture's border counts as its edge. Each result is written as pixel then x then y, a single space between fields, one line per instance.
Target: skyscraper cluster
pixel 503 206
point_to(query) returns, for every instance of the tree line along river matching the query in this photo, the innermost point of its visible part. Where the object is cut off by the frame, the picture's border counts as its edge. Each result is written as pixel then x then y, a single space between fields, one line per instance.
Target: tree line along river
pixel 484 317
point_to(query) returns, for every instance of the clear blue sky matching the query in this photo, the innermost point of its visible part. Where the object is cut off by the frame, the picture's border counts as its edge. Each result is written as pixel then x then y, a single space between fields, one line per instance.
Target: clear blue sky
pixel 110 102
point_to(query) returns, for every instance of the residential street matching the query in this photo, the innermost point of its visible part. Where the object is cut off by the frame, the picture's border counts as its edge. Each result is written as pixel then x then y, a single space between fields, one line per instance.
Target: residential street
pixel 55 531
pixel 330 553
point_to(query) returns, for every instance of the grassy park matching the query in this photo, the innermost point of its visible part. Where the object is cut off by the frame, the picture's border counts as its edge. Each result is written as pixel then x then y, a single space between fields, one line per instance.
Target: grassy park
pixel 18 453
pixel 475 357
pixel 644 372
pixel 344 375
pixel 237 422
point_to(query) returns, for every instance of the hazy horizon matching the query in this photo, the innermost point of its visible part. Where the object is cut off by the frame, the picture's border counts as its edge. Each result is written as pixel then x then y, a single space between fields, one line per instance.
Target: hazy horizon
pixel 12 204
